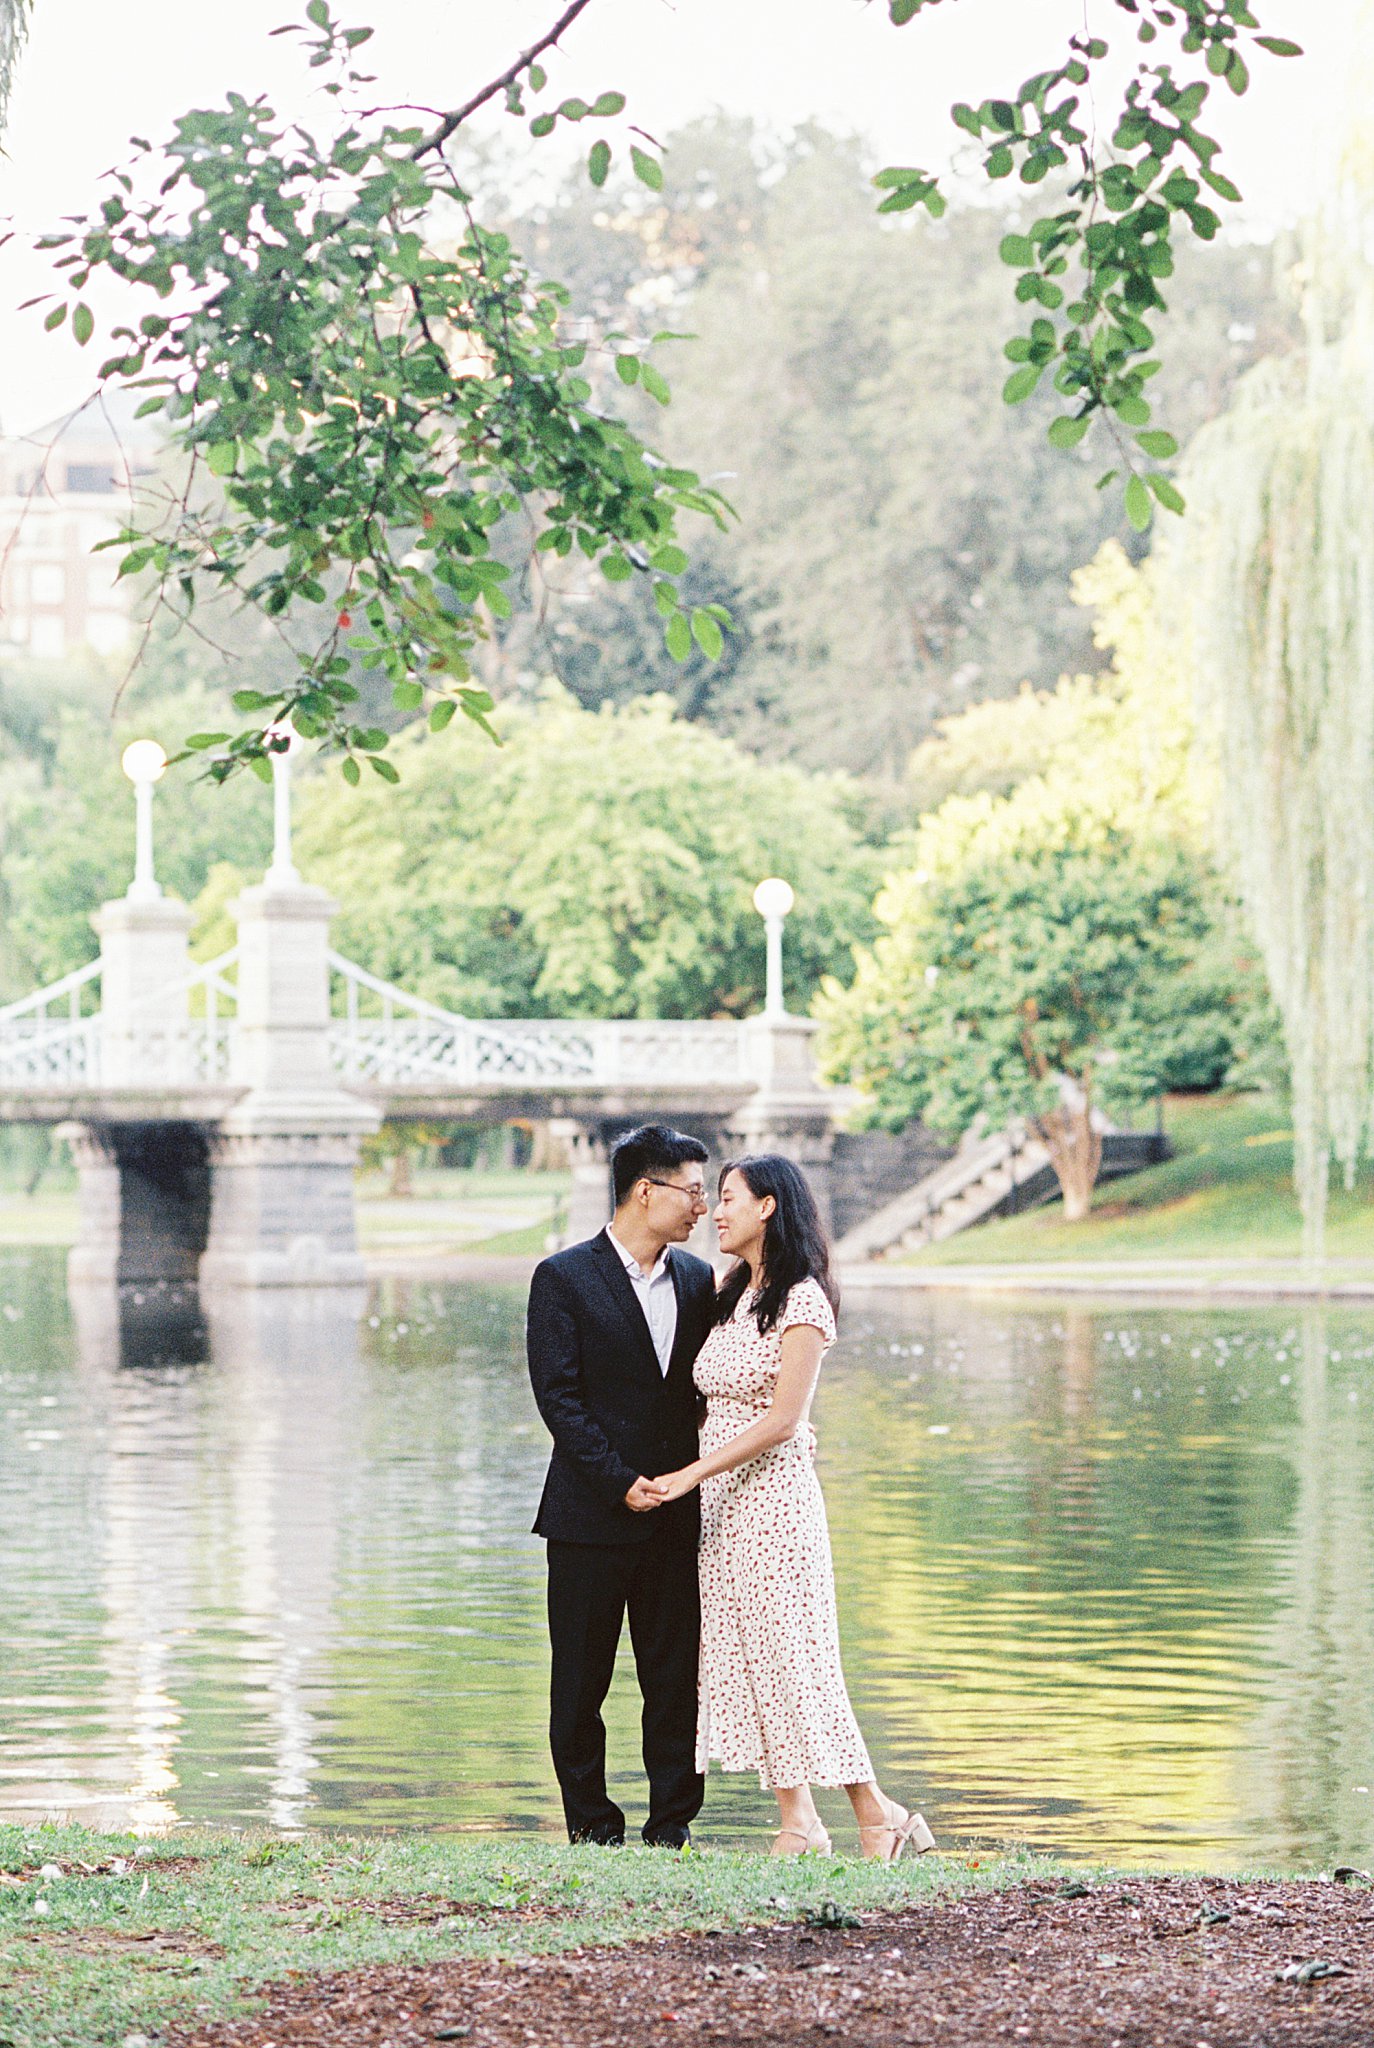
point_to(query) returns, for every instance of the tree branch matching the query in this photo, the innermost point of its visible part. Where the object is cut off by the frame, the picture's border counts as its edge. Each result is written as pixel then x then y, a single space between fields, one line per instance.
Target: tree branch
pixel 456 119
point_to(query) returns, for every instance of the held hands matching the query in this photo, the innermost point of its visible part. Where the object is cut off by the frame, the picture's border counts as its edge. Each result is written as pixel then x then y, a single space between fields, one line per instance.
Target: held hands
pixel 647 1494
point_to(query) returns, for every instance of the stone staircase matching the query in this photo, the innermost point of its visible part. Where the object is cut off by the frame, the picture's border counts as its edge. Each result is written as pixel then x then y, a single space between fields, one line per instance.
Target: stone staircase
pixel 1000 1174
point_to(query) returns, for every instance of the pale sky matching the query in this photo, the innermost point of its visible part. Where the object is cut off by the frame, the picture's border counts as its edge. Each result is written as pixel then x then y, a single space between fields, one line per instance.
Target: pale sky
pixel 95 73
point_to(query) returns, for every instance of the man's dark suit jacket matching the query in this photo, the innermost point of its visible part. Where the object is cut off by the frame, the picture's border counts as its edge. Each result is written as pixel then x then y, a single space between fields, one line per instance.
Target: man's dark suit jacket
pixel 613 1415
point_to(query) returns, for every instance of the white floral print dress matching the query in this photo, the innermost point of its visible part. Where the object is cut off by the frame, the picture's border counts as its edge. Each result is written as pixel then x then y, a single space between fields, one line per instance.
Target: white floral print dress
pixel 772 1695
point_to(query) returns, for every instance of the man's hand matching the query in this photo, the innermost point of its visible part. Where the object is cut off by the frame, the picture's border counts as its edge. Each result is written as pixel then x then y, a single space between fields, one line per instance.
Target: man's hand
pixel 644 1495
pixel 674 1485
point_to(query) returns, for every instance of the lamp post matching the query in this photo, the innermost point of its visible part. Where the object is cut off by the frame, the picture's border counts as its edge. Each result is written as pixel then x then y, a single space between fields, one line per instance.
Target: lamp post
pixel 143 762
pixel 773 899
pixel 282 873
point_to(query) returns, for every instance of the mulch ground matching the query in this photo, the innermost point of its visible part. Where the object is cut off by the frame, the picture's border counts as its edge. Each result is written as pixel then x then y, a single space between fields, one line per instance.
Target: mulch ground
pixel 1161 1963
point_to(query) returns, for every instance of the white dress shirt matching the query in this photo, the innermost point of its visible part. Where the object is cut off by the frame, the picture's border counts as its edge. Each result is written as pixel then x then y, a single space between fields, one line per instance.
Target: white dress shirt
pixel 657 1297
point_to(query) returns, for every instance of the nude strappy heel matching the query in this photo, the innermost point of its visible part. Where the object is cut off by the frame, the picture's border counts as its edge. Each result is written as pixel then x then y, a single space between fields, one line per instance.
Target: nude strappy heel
pixel 886 1841
pixel 814 1841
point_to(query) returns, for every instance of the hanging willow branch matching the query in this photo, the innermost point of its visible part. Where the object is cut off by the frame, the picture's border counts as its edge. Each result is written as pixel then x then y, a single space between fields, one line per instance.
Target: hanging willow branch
pixel 14 25
pixel 1278 567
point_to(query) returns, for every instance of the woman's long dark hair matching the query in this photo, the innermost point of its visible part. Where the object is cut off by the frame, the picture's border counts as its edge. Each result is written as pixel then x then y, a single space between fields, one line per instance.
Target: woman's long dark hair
pixel 794 1241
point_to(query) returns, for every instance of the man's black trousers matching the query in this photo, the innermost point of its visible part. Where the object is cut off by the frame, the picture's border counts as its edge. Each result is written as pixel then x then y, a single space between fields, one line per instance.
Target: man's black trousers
pixel 592 1586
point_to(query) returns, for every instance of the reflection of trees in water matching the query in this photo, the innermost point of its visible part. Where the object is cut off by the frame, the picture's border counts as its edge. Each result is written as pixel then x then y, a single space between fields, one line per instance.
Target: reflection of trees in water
pixel 1312 1744
pixel 1047 1611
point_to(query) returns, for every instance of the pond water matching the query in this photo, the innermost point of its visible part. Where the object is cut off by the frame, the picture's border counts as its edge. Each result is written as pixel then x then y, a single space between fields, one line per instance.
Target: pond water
pixel 1104 1572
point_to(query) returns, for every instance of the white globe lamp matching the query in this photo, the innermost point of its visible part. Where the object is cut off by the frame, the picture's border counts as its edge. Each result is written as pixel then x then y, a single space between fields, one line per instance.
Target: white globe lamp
pixel 143 762
pixel 773 900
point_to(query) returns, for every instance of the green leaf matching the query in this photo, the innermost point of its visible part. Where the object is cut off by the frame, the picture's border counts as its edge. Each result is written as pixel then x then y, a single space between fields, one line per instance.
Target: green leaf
pixel 83 323
pixel 543 124
pixel 707 635
pixel 599 162
pixel 386 769
pixel 1021 383
pixel 574 109
pixel 221 457
pixel 900 12
pixel 1132 412
pixel 616 568
pixel 1067 432
pixel 351 771
pixel 444 712
pixel 1167 492
pixel 199 741
pixel 252 700
pixel 1018 250
pixel 1138 504
pixel 55 317
pixel 655 383
pixel 647 168
pixel 408 696
pixel 317 11
pixel 608 103
pixel 1163 447
pixel 538 77
pixel 678 637
pixel 627 369
pixel 999 162
pixel 671 560
pixel 1279 46
pixel 261 767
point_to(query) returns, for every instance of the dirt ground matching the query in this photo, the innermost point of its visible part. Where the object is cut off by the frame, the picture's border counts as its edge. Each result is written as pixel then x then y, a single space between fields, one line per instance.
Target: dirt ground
pixel 1162 1963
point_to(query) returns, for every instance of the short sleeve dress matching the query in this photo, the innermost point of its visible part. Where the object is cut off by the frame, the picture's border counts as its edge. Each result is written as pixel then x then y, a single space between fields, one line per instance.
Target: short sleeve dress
pixel 772 1696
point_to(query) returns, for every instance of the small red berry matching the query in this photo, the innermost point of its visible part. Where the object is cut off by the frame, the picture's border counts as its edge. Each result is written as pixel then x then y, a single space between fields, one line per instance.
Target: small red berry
pixel 428 519
pixel 345 618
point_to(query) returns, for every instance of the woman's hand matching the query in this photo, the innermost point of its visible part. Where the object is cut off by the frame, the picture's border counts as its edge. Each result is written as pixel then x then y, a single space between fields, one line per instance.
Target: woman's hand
pixel 673 1485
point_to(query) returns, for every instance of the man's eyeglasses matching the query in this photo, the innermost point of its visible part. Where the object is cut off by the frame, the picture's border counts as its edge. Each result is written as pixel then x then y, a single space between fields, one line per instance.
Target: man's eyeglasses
pixel 695 1195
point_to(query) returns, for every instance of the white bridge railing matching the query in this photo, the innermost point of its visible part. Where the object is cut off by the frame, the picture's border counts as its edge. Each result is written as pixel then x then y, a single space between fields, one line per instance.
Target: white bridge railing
pixel 379 1038
pixel 171 1037
pixel 386 1038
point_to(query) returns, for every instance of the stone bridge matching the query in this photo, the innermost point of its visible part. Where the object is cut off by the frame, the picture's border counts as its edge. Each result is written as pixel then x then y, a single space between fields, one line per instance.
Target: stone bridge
pixel 215 1110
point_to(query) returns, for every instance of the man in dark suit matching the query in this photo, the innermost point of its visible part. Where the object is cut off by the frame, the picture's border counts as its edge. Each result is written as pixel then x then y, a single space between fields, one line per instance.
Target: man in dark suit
pixel 614 1327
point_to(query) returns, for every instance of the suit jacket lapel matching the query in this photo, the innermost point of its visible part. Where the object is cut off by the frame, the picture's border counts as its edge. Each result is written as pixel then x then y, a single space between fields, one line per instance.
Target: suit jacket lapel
pixel 618 1285
pixel 684 1346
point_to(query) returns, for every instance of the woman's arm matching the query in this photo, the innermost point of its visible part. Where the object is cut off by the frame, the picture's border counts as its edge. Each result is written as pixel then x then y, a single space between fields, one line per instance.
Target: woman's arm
pixel 802 1347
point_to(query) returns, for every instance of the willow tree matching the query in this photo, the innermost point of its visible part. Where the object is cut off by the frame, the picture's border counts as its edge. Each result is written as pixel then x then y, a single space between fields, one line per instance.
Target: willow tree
pixel 1277 567
pixel 13 22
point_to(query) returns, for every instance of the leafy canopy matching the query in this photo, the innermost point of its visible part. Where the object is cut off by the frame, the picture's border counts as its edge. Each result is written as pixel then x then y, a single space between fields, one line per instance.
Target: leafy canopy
pixel 358 409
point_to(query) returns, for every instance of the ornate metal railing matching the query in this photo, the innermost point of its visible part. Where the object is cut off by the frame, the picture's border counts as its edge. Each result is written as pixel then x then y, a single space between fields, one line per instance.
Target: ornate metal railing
pixel 386 1038
pixel 171 1036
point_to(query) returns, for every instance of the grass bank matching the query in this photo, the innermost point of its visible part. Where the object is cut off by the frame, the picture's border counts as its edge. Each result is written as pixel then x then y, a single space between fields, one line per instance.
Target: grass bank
pixel 102 1935
pixel 1226 1196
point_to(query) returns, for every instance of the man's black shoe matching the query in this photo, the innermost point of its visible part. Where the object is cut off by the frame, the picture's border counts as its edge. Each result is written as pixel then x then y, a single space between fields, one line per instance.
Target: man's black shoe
pixel 591 1839
pixel 671 1838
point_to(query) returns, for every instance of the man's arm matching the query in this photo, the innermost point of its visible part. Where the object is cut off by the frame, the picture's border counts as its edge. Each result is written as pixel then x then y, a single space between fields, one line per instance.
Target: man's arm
pixel 552 1348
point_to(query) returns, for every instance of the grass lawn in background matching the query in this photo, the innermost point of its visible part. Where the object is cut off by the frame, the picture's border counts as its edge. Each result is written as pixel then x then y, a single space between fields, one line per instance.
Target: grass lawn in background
pixel 1225 1196
pixel 123 1936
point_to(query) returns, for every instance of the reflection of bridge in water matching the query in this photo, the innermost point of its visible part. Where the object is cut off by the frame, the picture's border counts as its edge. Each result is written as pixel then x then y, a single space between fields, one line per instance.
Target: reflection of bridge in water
pixel 215 1110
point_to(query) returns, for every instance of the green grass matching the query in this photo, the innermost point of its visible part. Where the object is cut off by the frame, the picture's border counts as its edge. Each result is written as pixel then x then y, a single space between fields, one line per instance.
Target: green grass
pixel 1226 1195
pixel 197 1923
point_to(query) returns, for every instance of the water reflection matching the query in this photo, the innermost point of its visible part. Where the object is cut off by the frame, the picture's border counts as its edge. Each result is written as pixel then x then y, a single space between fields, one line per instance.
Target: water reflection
pixel 1105 1574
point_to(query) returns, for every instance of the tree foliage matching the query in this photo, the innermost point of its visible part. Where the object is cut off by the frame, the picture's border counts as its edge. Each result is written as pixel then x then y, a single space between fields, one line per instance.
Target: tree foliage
pixel 600 865
pixel 1277 580
pixel 882 571
pixel 358 408
pixel 1072 928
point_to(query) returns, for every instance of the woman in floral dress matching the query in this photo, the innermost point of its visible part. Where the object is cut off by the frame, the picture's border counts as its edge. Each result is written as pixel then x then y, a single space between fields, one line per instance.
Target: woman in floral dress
pixel 772 1693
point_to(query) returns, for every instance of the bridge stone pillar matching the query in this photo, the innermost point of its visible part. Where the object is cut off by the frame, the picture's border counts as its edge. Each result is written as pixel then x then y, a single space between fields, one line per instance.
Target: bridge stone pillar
pixel 282 1162
pixel 590 1201
pixel 790 1113
pixel 144 965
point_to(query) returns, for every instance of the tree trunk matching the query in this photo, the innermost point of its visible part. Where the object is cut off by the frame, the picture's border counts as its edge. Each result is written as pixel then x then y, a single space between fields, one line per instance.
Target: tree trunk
pixel 401 1182
pixel 1075 1150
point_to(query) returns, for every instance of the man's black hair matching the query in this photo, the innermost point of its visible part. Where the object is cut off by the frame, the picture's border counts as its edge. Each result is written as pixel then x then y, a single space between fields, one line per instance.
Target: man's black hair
pixel 652 1150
